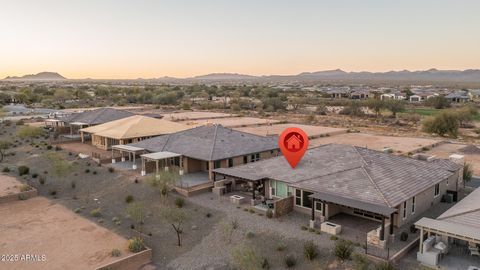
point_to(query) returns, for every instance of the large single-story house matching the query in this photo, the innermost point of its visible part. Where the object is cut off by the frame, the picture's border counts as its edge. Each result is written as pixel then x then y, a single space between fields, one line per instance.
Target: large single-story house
pixel 458 97
pixel 202 149
pixel 455 231
pixel 77 121
pixel 129 130
pixel 336 178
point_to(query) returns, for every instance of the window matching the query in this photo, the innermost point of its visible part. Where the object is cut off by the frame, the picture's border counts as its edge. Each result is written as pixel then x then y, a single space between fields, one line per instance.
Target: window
pixel 217 164
pixel 318 206
pixel 404 209
pixel 230 162
pixel 252 158
pixel 306 202
pixel 245 159
pixel 257 156
pixel 273 185
pixel 208 165
pixel 413 204
pixel 437 190
pixel 298 197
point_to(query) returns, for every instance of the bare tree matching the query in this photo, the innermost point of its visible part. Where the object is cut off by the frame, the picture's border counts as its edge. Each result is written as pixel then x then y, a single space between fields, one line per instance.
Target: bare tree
pixel 175 217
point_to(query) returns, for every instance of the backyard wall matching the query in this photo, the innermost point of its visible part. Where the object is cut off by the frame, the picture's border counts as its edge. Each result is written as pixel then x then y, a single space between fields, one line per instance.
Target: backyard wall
pixel 133 261
pixel 283 206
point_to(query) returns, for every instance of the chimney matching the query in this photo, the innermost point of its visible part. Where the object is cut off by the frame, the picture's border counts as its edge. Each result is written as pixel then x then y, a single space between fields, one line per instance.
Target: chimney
pixel 459 159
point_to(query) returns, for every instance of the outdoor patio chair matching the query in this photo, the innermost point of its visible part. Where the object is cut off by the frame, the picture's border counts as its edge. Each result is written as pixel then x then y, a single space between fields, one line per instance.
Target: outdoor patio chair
pixel 474 251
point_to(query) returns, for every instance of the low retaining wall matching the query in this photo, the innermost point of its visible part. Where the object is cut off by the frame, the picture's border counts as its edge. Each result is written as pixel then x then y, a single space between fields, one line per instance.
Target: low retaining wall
pixel 15 197
pixel 133 261
pixel 283 206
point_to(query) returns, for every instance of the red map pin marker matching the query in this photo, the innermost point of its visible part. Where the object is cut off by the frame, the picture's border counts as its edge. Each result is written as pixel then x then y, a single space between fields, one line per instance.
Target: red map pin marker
pixel 293 142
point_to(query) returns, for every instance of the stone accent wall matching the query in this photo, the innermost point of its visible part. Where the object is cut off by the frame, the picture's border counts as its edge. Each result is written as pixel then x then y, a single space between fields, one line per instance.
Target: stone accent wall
pixel 283 206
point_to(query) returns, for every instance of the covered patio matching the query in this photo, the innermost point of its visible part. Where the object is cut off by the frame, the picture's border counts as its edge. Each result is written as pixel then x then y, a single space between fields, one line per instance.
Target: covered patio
pixel 130 159
pixel 163 160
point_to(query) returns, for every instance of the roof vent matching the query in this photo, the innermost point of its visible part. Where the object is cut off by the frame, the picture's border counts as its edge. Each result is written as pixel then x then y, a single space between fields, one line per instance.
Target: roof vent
pixel 459 159
pixel 387 150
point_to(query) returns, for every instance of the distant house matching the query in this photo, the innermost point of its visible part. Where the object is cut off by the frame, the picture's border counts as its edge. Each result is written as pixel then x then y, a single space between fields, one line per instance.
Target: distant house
pixel 360 94
pixel 396 96
pixel 474 94
pixel 331 179
pixel 418 97
pixel 458 97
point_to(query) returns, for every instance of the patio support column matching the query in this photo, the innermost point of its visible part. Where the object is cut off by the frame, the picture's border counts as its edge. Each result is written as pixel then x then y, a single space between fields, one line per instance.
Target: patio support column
pixel 391 224
pixel 134 166
pixel 421 241
pixel 156 168
pixel 82 136
pixel 312 219
pixel 382 230
pixel 113 157
pixel 143 167
pixel 123 158
pixel 253 191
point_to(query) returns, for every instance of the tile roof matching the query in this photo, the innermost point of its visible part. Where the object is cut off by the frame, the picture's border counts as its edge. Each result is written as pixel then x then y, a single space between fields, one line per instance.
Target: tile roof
pixel 97 116
pixel 364 174
pixel 213 142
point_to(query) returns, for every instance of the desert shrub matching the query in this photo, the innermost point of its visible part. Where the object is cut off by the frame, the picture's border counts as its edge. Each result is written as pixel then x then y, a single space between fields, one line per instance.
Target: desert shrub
pixel 20 123
pixel 290 261
pixel 23 170
pixel 413 229
pixel 385 266
pixel 269 213
pixel 6 169
pixel 343 250
pixel 87 170
pixel 281 247
pixel 25 187
pixel 304 228
pixel 251 211
pixel 310 250
pixel 403 236
pixel 444 123
pixel 249 235
pixel 58 148
pixel 467 172
pixel 49 147
pixel 95 212
pixel 334 238
pixel 41 180
pixel 52 192
pixel 129 199
pixel 179 202
pixel 111 169
pixel 245 258
pixel 73 184
pixel 360 262
pixel 136 245
pixel 22 197
pixel 94 172
pixel 115 252
pixel 34 175
pixel 77 210
pixel 208 215
pixel 265 264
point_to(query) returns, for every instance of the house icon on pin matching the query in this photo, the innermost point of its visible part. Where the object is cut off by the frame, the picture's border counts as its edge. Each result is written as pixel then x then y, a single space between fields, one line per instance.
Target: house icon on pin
pixel 294 143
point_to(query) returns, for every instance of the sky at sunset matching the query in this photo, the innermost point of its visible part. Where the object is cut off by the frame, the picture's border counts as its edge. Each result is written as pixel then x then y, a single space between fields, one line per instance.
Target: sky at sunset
pixel 145 39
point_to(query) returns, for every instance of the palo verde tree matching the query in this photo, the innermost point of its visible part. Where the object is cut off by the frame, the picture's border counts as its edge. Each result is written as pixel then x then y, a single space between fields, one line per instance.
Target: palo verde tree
pixel 164 181
pixel 136 211
pixel 176 217
pixel 394 106
pixel 4 145
pixel 376 105
pixel 29 132
pixel 61 168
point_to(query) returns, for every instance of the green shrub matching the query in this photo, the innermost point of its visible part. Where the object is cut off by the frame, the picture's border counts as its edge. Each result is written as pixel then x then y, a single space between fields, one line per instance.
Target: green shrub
pixel 115 252
pixel 52 192
pixel 334 238
pixel 208 215
pixel 58 148
pixel 179 202
pixel 343 250
pixel 73 184
pixel 281 247
pixel 6 169
pixel 303 228
pixel 22 196
pixel 111 169
pixel 23 170
pixel 136 245
pixel 251 211
pixel 310 250
pixel 129 199
pixel 413 229
pixel 269 213
pixel 87 171
pixel 49 147
pixel 94 172
pixel 249 235
pixel 25 187
pixel 403 236
pixel 77 210
pixel 95 212
pixel 385 266
pixel 34 175
pixel 290 261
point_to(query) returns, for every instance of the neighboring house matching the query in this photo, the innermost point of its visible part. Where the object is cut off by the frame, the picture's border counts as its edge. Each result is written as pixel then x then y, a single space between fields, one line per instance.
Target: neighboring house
pixel 331 179
pixel 203 149
pixel 129 130
pixel 360 94
pixel 415 98
pixel 396 96
pixel 474 94
pixel 422 96
pixel 456 229
pixel 458 97
pixel 92 118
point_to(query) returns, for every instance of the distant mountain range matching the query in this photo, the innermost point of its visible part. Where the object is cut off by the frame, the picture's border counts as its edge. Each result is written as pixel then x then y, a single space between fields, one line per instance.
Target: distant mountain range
pixel 337 75
pixel 42 76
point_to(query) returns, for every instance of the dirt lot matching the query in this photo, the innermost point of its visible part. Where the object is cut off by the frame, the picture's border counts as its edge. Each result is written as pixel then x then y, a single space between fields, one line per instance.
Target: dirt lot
pixel 194 115
pixel 312 131
pixel 85 148
pixel 9 185
pixel 378 142
pixel 231 122
pixel 447 149
pixel 40 227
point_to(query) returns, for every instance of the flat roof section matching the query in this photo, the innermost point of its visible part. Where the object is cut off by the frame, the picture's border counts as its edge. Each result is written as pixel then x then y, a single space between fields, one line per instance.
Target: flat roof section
pixel 160 155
